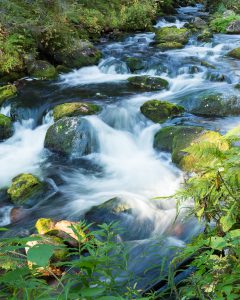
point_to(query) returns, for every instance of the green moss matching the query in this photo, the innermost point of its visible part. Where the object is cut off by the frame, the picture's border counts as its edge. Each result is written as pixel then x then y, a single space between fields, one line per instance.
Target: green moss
pixel 74 109
pixel 42 70
pixel 220 24
pixel 23 186
pixel 169 46
pixel 134 64
pixel 43 225
pixel 148 83
pixel 237 86
pixel 207 65
pixel 160 111
pixel 205 36
pixel 172 35
pixel 6 92
pixel 6 127
pixel 235 53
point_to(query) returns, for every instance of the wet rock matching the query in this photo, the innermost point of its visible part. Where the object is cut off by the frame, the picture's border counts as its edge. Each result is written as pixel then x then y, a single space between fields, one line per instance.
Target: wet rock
pixel 216 76
pixel 160 111
pixel 6 127
pixel 228 13
pixel 234 27
pixel 207 65
pixel 205 36
pixel 71 137
pixel 170 46
pixel 237 86
pixel 41 69
pixel 74 109
pixel 134 64
pixel 148 82
pixel 199 23
pixel 17 214
pixel 23 187
pixel 77 55
pixel 176 139
pixel 172 35
pixel 235 53
pixel 7 92
pixel 215 105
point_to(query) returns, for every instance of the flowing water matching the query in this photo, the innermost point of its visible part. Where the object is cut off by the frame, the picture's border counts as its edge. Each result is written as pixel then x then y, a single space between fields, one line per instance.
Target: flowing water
pixel 125 164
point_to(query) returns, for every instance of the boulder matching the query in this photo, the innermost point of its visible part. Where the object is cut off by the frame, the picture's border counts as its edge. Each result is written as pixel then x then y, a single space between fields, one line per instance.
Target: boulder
pixel 235 53
pixel 77 54
pixel 234 27
pixel 176 139
pixel 7 91
pixel 170 46
pixel 199 23
pixel 23 187
pixel 172 35
pixel 148 83
pixel 160 111
pixel 41 69
pixel 71 137
pixel 237 86
pixel 134 64
pixel 74 109
pixel 205 36
pixel 6 127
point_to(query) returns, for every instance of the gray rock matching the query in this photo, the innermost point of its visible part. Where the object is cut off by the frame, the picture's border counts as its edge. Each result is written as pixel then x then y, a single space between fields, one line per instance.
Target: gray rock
pixel 234 27
pixel 199 23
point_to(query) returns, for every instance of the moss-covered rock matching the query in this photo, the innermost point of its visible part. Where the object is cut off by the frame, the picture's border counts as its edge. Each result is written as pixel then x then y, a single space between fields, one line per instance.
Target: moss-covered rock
pixel 7 91
pixel 70 137
pixel 199 23
pixel 235 53
pixel 176 139
pixel 23 187
pixel 77 54
pixel 170 46
pixel 44 225
pixel 216 105
pixel 160 111
pixel 237 86
pixel 205 36
pixel 148 83
pixel 134 64
pixel 74 109
pixel 172 36
pixel 207 65
pixel 6 127
pixel 41 69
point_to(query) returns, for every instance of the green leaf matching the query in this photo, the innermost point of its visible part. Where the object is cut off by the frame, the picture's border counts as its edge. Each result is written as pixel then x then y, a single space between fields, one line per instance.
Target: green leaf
pixel 227 222
pixel 218 243
pixel 233 234
pixel 92 292
pixel 110 298
pixel 40 254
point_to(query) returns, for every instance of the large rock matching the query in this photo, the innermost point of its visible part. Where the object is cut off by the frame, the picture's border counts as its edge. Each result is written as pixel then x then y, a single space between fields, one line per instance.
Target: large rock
pixel 70 137
pixel 74 109
pixel 205 36
pixel 6 127
pixel 134 64
pixel 41 69
pixel 235 53
pixel 216 105
pixel 176 139
pixel 199 23
pixel 7 91
pixel 168 35
pixel 148 83
pixel 77 54
pixel 234 27
pixel 23 187
pixel 160 111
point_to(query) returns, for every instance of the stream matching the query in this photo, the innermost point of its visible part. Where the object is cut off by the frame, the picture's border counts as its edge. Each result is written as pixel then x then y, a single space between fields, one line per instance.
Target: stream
pixel 125 164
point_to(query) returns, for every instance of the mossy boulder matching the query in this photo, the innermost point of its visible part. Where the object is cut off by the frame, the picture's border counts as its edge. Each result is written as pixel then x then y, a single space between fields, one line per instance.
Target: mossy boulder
pixel 207 65
pixel 134 64
pixel 6 127
pixel 234 27
pixel 41 69
pixel 7 91
pixel 235 53
pixel 44 225
pixel 237 86
pixel 172 35
pixel 23 187
pixel 148 83
pixel 199 23
pixel 74 109
pixel 176 139
pixel 170 46
pixel 77 54
pixel 160 111
pixel 205 36
pixel 217 106
pixel 71 137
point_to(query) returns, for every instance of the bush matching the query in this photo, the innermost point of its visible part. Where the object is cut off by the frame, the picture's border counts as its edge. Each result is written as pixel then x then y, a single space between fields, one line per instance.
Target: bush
pixel 220 24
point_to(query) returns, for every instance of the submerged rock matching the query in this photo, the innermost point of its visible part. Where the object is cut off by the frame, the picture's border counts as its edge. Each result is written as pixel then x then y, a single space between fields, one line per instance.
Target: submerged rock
pixel 70 137
pixel 77 54
pixel 160 111
pixel 6 127
pixel 176 139
pixel 235 53
pixel 23 187
pixel 234 27
pixel 74 109
pixel 170 46
pixel 41 69
pixel 148 82
pixel 7 91
pixel 168 35
pixel 134 64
